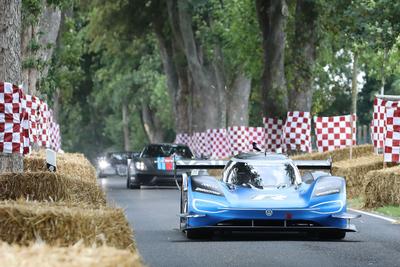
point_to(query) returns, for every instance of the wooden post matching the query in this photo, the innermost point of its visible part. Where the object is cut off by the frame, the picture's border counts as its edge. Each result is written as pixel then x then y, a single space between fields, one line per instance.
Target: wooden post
pixel 354 93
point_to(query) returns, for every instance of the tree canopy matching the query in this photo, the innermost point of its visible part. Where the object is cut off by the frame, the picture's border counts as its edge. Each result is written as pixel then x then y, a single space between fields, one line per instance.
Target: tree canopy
pixel 127 72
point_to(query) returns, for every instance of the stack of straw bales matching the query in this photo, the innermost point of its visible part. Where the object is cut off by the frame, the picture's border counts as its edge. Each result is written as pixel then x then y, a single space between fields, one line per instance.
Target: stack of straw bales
pixel 338 154
pixel 355 170
pixel 63 225
pixel 75 165
pixel 62 209
pixel 47 186
pixel 382 187
pixel 40 255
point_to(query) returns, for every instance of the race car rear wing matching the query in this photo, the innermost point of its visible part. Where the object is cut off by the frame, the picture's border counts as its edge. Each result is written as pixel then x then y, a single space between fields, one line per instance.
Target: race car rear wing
pixel 220 164
pixel 313 164
pixel 200 164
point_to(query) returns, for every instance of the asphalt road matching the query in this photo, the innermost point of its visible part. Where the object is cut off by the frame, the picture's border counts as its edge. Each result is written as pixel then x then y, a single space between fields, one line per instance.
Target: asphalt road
pixel 152 214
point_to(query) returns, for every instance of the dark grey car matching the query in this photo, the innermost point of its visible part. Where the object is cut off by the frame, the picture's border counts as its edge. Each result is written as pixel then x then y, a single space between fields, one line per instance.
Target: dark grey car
pixel 155 165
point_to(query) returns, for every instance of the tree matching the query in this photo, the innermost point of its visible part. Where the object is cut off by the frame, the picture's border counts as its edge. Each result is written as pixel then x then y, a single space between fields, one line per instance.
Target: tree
pixel 272 15
pixel 40 28
pixel 10 64
pixel 304 55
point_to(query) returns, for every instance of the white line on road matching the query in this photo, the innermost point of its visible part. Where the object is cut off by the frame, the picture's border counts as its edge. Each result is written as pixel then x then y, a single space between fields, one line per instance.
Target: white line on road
pixel 375 215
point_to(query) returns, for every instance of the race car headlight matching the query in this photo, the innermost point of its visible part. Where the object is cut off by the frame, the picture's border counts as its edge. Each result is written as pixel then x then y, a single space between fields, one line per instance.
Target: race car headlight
pixel 206 187
pixel 140 166
pixel 328 186
pixel 103 164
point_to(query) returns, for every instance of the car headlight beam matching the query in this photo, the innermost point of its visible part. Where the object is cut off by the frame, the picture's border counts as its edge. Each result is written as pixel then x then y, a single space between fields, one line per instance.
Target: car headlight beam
pixel 103 164
pixel 139 165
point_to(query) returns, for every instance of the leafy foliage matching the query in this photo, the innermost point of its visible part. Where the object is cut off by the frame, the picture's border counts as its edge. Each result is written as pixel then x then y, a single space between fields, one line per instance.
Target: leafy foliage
pixel 108 55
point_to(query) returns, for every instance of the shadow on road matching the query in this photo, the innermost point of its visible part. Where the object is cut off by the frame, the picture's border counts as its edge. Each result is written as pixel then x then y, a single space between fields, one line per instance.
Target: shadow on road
pixel 276 237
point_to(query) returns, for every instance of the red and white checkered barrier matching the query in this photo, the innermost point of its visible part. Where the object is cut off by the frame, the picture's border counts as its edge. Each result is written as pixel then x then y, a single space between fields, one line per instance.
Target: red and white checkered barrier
pixel 335 132
pixel 378 126
pixel 256 135
pixel 200 144
pixel 54 133
pixel 25 127
pixel 43 125
pixel 218 143
pixel 273 134
pixel 31 105
pixel 392 139
pixel 238 137
pixel 183 139
pixel 24 119
pixel 297 131
pixel 13 119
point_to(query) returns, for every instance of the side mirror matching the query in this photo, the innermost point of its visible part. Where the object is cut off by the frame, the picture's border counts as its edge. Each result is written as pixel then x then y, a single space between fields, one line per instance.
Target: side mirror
pixel 307 178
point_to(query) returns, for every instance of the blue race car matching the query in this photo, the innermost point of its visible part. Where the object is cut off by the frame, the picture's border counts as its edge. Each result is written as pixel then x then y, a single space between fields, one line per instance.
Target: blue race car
pixel 263 192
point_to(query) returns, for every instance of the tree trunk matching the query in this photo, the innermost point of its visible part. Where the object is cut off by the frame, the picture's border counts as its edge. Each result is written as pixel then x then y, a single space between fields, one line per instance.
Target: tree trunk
pixel 354 89
pixel 384 62
pixel 10 64
pixel 176 73
pixel 206 94
pixel 272 15
pixel 45 33
pixel 304 55
pixel 151 125
pixel 238 101
pixel 125 125
pixel 354 95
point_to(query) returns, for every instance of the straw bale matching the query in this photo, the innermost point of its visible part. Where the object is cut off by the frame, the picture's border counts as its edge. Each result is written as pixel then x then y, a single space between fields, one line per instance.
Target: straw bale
pixel 41 255
pixel 47 186
pixel 382 187
pixel 23 222
pixel 355 170
pixel 338 154
pixel 75 165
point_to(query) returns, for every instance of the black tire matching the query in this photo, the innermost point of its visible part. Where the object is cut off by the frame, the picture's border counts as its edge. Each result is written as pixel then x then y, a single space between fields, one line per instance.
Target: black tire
pixel 198 234
pixel 131 186
pixel 332 235
pixel 121 170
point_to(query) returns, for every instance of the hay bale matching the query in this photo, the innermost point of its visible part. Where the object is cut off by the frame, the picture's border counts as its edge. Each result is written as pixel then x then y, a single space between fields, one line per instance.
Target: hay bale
pixel 338 154
pixel 47 186
pixel 75 165
pixel 57 224
pixel 355 170
pixel 382 187
pixel 41 255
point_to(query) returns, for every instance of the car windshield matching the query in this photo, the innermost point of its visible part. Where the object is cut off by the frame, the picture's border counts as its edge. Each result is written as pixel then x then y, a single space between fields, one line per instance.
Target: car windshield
pixel 274 175
pixel 154 151
pixel 118 156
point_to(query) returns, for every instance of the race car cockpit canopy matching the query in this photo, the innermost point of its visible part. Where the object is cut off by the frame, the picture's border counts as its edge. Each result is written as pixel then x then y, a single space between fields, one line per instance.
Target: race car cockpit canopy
pixel 277 174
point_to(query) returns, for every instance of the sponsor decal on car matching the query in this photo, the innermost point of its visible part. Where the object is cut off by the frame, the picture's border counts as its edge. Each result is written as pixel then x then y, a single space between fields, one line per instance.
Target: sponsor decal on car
pixel 165 163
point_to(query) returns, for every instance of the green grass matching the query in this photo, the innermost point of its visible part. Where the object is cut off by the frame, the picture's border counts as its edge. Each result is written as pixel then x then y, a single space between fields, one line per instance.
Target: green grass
pixel 393 211
pixel 358 203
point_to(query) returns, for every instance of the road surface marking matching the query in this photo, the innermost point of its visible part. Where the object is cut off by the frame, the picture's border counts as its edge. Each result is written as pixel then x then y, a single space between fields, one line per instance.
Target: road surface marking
pixel 375 215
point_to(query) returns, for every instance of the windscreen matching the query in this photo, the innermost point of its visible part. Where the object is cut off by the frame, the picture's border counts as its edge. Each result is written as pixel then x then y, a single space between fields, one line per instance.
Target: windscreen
pixel 154 151
pixel 274 175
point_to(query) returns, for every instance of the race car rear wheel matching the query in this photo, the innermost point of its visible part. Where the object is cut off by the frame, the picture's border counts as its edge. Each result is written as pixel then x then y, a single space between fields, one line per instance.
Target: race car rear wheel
pixel 332 235
pixel 198 234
